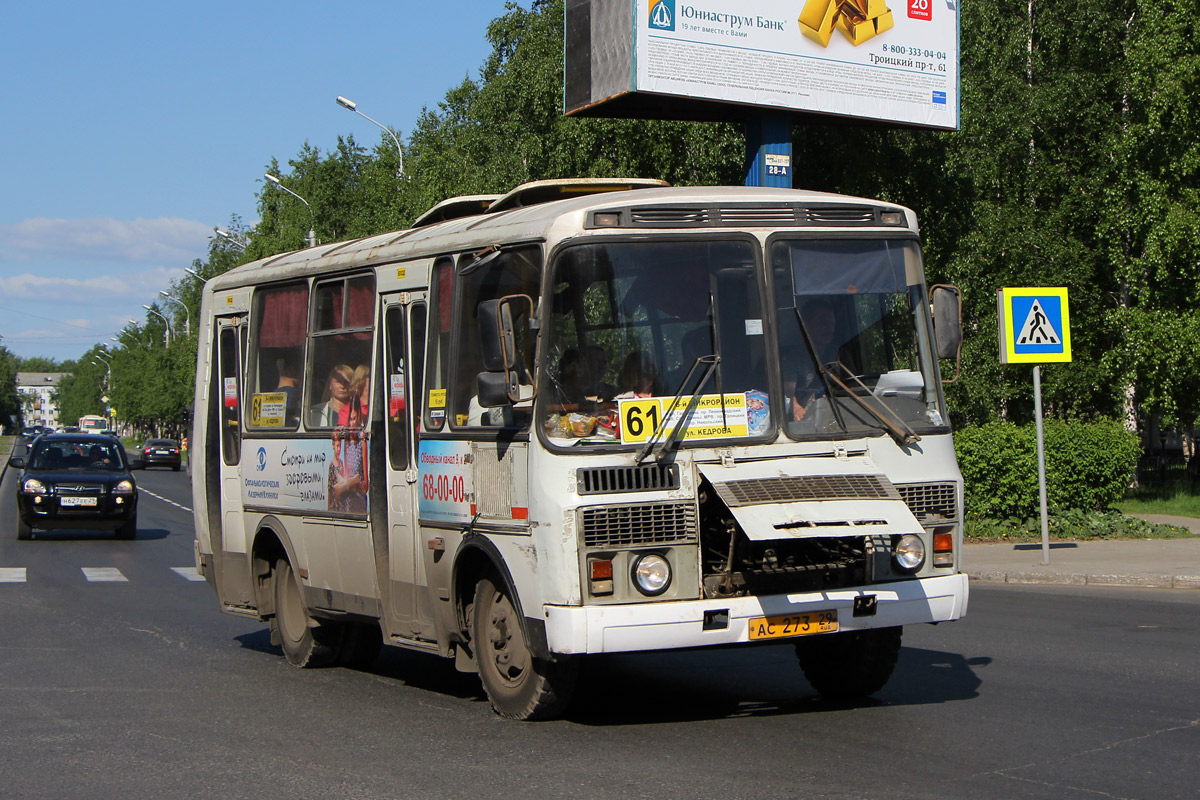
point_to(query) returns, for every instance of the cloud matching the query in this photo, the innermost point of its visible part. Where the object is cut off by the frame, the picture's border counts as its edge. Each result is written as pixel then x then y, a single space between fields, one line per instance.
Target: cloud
pixel 69 291
pixel 104 239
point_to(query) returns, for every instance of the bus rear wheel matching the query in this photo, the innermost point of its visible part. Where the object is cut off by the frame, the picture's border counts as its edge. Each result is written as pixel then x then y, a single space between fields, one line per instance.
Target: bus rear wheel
pixel 850 665
pixel 518 685
pixel 305 641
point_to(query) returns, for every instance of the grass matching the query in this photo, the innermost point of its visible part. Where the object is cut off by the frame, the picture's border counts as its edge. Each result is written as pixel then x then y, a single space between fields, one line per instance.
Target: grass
pixel 1071 525
pixel 1178 500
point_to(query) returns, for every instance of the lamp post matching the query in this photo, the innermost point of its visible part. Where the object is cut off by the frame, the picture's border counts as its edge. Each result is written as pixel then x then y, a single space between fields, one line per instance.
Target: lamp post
pixel 234 242
pixel 187 317
pixel 167 322
pixel 353 106
pixel 312 237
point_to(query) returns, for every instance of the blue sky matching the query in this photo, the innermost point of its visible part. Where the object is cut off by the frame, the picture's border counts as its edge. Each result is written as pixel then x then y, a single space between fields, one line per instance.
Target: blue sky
pixel 131 129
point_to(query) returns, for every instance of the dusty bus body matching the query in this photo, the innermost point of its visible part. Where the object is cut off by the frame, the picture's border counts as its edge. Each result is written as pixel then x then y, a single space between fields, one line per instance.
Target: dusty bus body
pixel 586 417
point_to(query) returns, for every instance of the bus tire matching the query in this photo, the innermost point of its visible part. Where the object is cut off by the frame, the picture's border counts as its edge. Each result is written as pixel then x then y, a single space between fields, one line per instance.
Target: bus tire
pixel 24 532
pixel 518 685
pixel 850 665
pixel 306 642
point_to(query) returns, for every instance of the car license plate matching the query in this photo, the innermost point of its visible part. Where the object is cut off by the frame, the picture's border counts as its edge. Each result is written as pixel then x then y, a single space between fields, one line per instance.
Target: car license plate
pixel 787 625
pixel 77 501
pixel 161 453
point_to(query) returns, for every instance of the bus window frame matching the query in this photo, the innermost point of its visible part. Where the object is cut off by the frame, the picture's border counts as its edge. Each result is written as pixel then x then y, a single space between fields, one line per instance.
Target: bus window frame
pixel 314 382
pixel 253 352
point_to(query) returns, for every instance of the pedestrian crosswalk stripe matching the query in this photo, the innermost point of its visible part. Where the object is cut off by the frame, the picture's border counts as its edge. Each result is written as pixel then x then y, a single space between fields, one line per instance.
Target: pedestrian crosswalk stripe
pixel 191 573
pixel 12 574
pixel 104 575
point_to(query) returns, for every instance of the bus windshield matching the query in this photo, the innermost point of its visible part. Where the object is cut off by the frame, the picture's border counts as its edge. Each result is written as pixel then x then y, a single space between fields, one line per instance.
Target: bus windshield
pixel 853 338
pixel 628 321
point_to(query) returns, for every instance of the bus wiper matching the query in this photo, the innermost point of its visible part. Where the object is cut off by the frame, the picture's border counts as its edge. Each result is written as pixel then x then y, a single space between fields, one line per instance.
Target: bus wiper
pixel 671 443
pixel 895 426
pixel 821 373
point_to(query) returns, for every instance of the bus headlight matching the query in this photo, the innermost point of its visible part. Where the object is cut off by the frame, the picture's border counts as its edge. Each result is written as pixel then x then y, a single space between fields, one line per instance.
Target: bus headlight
pixel 651 574
pixel 909 551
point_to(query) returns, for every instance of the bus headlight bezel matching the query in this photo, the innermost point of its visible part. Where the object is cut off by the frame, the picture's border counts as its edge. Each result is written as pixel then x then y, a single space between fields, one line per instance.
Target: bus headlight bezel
pixel 908 551
pixel 651 574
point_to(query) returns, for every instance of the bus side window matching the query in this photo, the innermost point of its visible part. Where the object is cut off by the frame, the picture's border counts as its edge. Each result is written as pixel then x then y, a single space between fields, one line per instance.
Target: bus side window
pixel 277 356
pixel 339 372
pixel 434 406
pixel 397 388
pixel 230 399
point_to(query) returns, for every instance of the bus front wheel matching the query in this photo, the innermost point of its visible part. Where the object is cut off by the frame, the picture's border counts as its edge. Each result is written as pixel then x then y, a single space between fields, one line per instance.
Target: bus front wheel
pixel 305 642
pixel 850 665
pixel 518 685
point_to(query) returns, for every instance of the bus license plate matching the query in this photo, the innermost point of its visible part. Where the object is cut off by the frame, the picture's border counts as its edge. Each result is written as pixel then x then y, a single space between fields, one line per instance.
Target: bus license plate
pixel 789 625
pixel 77 501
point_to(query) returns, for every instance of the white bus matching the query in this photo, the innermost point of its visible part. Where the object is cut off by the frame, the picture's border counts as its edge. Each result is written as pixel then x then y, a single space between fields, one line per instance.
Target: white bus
pixel 586 417
pixel 91 423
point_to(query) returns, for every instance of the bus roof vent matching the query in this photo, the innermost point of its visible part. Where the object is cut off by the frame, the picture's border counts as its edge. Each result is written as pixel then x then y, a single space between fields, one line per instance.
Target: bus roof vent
pixel 615 480
pixel 468 205
pixel 771 215
pixel 537 192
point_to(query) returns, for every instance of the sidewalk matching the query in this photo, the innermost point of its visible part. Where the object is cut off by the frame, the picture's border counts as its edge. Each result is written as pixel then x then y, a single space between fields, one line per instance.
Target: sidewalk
pixel 1156 563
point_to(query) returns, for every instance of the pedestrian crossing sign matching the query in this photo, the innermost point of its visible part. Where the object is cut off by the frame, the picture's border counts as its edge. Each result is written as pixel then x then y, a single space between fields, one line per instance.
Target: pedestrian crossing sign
pixel 1035 325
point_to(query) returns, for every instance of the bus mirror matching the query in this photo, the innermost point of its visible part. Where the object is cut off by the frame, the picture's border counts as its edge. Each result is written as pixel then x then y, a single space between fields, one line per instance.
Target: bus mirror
pixel 497 388
pixel 947 319
pixel 496 330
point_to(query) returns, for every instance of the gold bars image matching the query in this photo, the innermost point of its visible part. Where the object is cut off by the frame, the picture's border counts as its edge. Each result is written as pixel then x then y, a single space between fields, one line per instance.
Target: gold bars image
pixel 858 20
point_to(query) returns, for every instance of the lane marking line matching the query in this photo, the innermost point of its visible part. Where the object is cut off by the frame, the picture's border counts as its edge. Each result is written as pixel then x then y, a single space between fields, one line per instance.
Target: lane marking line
pixel 104 575
pixel 12 574
pixel 191 573
pixel 165 500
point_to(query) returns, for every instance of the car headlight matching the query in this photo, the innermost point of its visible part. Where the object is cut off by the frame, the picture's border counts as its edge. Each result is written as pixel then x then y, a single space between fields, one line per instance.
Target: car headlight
pixel 124 487
pixel 909 551
pixel 33 486
pixel 651 574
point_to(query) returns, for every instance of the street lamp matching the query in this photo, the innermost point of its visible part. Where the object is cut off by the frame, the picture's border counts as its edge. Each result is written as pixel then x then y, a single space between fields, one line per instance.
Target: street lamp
pixel 187 317
pixel 353 106
pixel 234 242
pixel 312 237
pixel 167 322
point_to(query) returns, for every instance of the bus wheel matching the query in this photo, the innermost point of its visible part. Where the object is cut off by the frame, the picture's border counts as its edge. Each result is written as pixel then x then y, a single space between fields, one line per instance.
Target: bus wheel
pixel 518 685
pixel 305 641
pixel 850 665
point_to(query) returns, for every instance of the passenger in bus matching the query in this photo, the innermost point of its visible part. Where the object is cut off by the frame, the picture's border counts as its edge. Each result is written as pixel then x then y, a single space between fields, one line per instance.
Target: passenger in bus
pixel 638 376
pixel 581 376
pixel 360 381
pixel 337 395
pixel 289 384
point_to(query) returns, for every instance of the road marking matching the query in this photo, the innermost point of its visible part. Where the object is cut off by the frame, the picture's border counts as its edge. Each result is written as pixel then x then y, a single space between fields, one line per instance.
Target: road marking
pixel 12 574
pixel 165 500
pixel 191 573
pixel 104 575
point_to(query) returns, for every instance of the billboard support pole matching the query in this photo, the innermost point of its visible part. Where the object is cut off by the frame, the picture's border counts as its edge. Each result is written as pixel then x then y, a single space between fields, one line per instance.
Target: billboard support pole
pixel 769 150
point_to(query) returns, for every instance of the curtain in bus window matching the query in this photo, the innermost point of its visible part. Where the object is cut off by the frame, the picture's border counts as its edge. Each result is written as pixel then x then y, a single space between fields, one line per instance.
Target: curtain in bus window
pixel 284 317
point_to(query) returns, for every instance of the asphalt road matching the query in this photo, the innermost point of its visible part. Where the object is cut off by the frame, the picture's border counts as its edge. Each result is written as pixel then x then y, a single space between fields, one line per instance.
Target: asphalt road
pixel 141 688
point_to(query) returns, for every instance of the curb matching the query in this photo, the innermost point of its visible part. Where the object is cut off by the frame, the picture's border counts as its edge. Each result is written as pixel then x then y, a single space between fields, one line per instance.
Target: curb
pixel 1068 579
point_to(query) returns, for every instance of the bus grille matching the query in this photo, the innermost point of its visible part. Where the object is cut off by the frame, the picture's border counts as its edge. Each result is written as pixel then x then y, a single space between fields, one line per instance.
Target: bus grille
pixel 931 500
pixel 625 526
pixel 806 487
pixel 643 478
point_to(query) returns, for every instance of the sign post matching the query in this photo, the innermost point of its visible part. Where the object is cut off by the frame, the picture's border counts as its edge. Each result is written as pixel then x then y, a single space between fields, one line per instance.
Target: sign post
pixel 1035 327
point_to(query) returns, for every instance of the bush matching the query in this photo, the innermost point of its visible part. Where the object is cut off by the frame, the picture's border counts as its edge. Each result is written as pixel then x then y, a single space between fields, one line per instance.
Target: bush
pixel 1088 466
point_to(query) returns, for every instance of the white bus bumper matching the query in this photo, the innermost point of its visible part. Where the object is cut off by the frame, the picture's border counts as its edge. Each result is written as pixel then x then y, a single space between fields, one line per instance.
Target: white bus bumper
pixel 668 625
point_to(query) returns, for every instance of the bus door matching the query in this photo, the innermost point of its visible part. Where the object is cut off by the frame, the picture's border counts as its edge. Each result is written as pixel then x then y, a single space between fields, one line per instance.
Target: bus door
pixel 223 462
pixel 404 321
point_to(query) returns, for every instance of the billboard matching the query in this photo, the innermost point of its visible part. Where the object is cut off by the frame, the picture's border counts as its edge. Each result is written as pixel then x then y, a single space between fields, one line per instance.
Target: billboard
pixel 891 61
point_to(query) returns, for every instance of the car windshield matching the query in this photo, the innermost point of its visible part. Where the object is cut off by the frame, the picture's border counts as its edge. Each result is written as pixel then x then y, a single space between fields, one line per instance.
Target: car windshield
pixel 854 338
pixel 76 454
pixel 633 324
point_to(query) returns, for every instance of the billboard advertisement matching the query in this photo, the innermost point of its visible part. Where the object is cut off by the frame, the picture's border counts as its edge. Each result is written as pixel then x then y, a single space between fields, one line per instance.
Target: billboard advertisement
pixel 887 60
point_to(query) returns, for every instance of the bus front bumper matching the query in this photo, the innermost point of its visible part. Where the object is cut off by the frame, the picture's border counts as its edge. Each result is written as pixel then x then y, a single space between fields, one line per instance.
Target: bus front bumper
pixel 701 623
